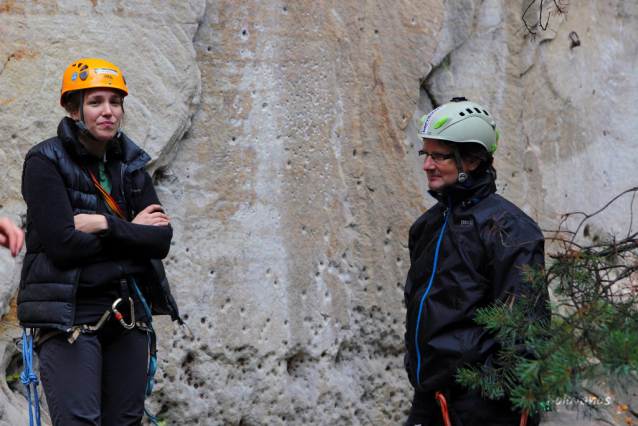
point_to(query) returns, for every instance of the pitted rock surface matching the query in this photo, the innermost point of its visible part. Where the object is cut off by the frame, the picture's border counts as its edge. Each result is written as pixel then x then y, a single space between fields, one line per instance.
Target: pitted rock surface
pixel 284 138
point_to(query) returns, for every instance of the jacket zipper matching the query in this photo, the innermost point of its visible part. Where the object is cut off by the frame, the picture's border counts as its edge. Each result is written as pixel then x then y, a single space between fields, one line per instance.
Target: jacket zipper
pixel 418 321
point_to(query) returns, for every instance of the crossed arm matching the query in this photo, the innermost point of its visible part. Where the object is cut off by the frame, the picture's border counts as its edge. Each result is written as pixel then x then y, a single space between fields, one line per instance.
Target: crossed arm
pixel 72 240
pixel 152 215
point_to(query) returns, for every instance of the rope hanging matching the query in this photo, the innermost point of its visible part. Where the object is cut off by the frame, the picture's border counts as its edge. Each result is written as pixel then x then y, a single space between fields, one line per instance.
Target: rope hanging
pixel 28 377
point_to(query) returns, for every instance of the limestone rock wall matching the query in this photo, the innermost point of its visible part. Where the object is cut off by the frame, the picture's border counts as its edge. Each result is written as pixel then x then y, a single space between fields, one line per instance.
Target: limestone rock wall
pixel 284 144
pixel 284 197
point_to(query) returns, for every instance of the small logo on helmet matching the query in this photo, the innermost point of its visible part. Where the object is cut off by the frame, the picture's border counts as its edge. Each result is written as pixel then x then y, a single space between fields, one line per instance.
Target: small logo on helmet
pixel 106 71
pixel 74 77
pixel 428 118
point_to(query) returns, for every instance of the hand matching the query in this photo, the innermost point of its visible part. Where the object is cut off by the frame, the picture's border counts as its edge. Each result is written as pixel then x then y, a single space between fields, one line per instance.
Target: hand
pixel 90 223
pixel 11 236
pixel 152 215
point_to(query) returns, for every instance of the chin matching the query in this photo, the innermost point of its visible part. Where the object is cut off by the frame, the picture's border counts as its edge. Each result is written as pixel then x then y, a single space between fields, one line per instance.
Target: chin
pixel 435 186
pixel 105 138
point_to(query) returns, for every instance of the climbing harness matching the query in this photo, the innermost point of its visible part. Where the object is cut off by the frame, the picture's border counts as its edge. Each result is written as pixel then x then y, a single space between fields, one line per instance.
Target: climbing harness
pixel 441 401
pixel 28 377
pixel 143 326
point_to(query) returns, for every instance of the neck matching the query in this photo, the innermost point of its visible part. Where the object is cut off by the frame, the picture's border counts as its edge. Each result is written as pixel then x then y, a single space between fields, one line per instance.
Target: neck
pixel 94 146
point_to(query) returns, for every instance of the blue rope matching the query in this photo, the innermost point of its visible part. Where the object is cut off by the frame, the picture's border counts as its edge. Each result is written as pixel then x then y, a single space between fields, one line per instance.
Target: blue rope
pixel 153 419
pixel 28 377
pixel 152 365
pixel 418 321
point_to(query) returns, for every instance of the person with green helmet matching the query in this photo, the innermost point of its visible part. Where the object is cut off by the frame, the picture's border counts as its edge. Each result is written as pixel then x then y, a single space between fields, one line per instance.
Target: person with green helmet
pixel 466 252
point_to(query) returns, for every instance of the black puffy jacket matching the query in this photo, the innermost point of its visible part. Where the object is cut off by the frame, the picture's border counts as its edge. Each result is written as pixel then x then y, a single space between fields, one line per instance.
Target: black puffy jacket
pixel 483 241
pixel 49 282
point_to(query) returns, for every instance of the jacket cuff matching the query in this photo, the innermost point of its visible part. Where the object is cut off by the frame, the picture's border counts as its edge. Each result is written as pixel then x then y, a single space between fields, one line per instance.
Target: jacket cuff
pixel 110 221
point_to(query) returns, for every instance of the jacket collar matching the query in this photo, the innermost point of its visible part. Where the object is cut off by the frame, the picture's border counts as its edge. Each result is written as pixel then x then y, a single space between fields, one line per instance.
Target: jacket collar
pixel 468 193
pixel 122 148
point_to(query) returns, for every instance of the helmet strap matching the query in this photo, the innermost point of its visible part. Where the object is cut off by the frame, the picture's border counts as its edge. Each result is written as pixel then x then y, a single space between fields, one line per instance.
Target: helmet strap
pixel 459 166
pixel 80 124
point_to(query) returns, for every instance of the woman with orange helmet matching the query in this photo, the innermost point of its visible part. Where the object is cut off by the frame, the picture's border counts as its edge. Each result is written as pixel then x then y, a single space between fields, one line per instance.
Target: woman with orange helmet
pixel 95 235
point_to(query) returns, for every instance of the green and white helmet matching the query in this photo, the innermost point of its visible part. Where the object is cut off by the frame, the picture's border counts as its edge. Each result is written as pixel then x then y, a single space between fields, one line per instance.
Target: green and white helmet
pixel 460 121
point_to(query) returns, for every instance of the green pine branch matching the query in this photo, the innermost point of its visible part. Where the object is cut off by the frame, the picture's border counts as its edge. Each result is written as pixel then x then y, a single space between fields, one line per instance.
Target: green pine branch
pixel 589 332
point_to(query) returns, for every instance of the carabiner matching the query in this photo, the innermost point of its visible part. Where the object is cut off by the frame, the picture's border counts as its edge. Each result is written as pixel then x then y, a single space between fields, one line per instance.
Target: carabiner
pixel 118 315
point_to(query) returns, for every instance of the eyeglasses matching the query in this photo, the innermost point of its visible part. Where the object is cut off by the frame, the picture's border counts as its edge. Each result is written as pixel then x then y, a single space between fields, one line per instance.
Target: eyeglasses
pixel 436 157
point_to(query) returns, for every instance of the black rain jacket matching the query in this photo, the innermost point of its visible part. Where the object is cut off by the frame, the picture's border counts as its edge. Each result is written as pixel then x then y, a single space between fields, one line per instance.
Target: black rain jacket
pixel 483 242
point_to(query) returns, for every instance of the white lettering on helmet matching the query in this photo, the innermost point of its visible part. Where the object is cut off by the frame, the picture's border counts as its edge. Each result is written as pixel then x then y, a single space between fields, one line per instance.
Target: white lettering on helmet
pixel 427 120
pixel 106 71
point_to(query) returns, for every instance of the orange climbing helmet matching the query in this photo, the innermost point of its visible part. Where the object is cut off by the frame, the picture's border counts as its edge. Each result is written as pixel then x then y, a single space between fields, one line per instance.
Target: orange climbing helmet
pixel 90 73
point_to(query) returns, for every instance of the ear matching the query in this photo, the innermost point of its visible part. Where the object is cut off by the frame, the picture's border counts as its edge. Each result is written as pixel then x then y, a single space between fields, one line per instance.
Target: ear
pixel 471 164
pixel 75 115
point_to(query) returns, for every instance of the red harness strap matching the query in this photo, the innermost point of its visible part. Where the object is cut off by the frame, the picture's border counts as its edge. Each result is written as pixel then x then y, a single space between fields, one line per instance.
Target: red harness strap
pixel 109 200
pixel 446 415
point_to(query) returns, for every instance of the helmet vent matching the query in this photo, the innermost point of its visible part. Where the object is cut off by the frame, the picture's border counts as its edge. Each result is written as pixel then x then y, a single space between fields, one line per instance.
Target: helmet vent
pixel 469 110
pixel 477 110
pixel 79 64
pixel 462 114
pixel 485 112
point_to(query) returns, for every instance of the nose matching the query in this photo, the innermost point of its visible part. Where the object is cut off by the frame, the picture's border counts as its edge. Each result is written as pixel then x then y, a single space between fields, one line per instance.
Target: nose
pixel 429 164
pixel 107 109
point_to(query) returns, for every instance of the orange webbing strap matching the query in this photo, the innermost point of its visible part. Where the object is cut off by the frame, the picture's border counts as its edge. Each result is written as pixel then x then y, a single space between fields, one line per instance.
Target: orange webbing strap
pixel 446 415
pixel 109 200
pixel 443 403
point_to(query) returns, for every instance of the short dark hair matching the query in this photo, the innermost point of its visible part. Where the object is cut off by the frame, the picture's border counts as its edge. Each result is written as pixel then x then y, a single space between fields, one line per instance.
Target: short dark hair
pixel 72 101
pixel 475 151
